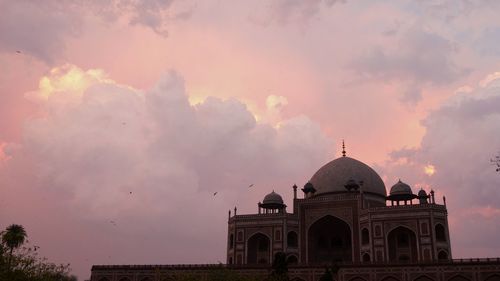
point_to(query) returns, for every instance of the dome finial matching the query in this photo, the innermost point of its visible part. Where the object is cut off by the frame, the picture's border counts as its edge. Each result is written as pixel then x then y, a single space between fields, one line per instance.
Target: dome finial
pixel 343 148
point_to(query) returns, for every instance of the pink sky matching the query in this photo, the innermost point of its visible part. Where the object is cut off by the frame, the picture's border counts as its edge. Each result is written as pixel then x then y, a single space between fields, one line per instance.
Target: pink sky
pixel 174 100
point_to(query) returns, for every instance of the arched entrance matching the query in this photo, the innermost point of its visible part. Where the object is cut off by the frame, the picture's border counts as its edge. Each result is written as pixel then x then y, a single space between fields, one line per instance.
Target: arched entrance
pixel 402 245
pixel 329 240
pixel 258 249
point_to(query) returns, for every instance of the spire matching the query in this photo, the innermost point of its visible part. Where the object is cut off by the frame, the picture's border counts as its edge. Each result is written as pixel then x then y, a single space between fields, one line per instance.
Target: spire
pixel 343 148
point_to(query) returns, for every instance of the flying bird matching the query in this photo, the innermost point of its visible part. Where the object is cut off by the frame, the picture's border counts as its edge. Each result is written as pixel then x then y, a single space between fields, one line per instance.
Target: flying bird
pixel 250 185
pixel 215 193
pixel 18 51
pixel 130 192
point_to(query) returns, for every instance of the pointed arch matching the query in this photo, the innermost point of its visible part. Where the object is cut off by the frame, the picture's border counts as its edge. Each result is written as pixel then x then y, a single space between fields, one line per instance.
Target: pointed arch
pixel 423 278
pixel 493 277
pixel 259 249
pixel 329 239
pixel 402 243
pixel 458 277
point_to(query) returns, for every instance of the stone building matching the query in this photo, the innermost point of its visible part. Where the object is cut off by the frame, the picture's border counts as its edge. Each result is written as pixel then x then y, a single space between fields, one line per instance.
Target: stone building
pixel 345 215
pixel 344 219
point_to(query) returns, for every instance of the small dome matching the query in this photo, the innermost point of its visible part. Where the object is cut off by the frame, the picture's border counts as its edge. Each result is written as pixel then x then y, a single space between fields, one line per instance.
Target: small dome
pixel 273 198
pixel 422 193
pixel 401 188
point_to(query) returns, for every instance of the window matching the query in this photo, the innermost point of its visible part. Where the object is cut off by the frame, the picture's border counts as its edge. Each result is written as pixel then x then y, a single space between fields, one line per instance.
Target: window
pixel 239 259
pixel 231 241
pixel 365 236
pixel 440 233
pixel 425 228
pixel 277 235
pixel 240 236
pixel 427 254
pixel 292 240
pixel 378 231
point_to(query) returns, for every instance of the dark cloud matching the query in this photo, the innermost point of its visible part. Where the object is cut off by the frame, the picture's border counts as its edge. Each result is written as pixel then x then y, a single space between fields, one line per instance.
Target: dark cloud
pixel 41 29
pixel 294 11
pixel 419 59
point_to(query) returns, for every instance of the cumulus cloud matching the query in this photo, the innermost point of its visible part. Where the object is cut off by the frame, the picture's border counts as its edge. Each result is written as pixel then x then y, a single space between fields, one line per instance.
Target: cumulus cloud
pixel 420 58
pixel 461 138
pixel 150 162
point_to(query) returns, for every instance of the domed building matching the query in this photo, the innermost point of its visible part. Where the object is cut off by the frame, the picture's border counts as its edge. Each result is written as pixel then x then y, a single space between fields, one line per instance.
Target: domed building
pixel 344 216
pixel 343 220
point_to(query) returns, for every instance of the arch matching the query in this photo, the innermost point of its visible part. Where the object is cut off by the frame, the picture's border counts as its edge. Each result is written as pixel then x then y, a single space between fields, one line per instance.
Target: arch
pixel 366 257
pixel 259 249
pixel 442 255
pixel 402 245
pixel 458 278
pixel 440 233
pixel 329 240
pixel 365 236
pixel 292 259
pixel 423 278
pixel 389 278
pixel 292 239
pixel 231 241
pixel 493 277
pixel 357 279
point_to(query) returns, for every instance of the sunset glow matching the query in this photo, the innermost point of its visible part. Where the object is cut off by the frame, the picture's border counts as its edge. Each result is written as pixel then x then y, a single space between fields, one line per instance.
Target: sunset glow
pixel 429 170
pixel 138 112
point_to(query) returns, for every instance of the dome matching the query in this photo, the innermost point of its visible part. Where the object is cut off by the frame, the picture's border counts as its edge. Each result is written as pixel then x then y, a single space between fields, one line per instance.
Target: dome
pixel 401 191
pixel 273 198
pixel 333 177
pixel 401 188
pixel 422 193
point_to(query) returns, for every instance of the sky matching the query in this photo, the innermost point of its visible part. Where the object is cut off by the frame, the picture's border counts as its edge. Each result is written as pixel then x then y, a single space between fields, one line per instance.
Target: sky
pixel 120 119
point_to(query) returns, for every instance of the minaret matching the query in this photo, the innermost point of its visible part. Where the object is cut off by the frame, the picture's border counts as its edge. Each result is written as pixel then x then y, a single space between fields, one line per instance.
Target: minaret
pixel 343 149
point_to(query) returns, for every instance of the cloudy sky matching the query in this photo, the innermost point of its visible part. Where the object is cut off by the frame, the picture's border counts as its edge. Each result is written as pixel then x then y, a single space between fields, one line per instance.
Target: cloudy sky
pixel 119 119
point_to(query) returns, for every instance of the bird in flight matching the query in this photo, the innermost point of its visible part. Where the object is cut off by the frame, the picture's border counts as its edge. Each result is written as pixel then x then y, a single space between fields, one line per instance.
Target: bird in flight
pixel 130 192
pixel 18 51
pixel 215 193
pixel 250 185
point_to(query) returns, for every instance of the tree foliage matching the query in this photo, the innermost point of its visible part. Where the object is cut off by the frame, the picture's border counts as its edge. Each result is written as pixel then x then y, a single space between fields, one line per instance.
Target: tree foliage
pixel 19 262
pixel 496 161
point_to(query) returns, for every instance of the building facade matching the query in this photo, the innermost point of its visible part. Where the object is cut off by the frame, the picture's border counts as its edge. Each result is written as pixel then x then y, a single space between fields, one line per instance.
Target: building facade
pixel 345 216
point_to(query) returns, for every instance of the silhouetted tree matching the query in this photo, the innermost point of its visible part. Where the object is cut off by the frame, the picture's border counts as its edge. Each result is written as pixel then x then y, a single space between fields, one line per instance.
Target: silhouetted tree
pixel 13 237
pixel 23 262
pixel 327 276
pixel 280 268
pixel 496 162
